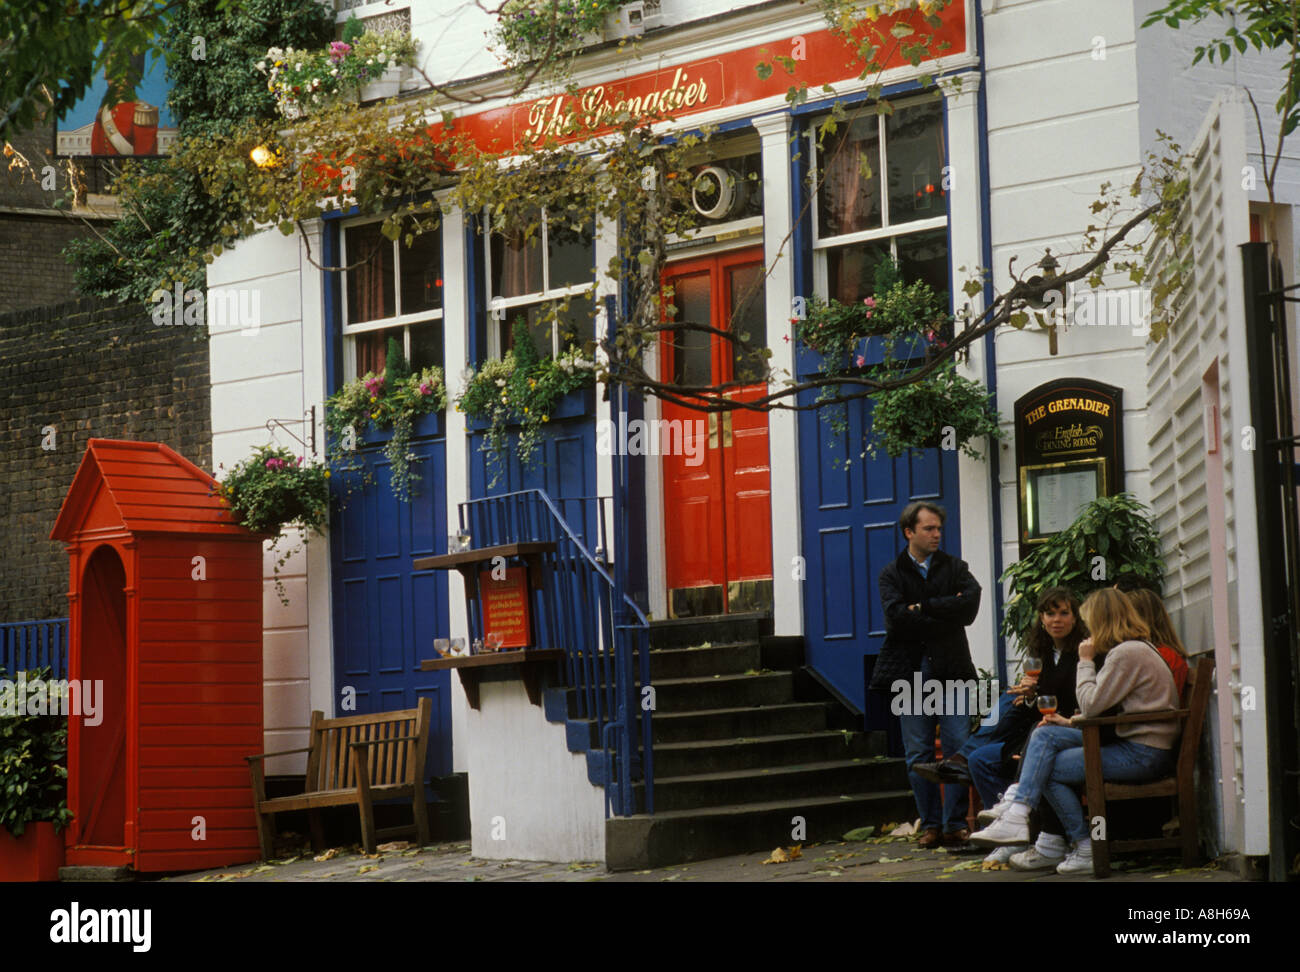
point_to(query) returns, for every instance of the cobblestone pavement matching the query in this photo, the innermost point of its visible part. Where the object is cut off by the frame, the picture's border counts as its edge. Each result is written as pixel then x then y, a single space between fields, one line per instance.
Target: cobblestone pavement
pixel 882 859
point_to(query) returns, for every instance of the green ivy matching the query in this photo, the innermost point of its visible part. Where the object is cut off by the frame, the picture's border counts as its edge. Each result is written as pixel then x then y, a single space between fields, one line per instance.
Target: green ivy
pixel 169 220
pixel 1117 529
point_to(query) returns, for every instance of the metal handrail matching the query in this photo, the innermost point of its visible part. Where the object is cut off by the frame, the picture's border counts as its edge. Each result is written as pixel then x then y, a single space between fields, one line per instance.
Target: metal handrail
pixel 579 608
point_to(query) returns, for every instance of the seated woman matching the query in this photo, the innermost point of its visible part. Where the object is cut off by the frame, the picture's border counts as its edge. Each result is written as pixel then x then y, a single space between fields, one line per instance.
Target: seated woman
pixel 1151 609
pixel 1137 679
pixel 1055 641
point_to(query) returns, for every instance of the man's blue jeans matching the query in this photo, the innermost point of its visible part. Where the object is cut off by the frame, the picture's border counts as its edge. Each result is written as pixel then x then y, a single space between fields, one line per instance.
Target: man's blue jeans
pixel 983 752
pixel 918 747
pixel 1053 768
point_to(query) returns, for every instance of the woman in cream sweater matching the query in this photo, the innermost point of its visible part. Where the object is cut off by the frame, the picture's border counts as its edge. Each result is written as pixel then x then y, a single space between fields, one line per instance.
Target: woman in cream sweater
pixel 1136 679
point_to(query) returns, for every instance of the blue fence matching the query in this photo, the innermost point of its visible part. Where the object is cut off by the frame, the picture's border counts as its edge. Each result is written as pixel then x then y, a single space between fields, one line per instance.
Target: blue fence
pixel 580 609
pixel 26 645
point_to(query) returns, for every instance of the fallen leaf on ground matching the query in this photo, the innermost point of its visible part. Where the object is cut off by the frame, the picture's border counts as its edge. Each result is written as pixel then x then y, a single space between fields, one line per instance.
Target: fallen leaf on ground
pixel 782 856
pixel 328 855
pixel 367 868
pixel 395 845
pixel 860 833
pixel 264 867
pixel 903 830
pixel 963 866
pixel 994 866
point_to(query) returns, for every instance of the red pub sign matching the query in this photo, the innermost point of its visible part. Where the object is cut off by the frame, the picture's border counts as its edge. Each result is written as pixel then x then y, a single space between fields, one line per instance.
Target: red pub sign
pixel 720 81
pixel 505 606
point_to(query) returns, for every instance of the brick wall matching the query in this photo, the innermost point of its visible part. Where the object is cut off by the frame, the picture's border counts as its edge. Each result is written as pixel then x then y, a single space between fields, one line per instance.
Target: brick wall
pixel 91 369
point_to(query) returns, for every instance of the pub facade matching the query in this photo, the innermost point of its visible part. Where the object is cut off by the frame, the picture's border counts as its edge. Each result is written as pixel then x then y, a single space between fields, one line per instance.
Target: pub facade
pixel 781 518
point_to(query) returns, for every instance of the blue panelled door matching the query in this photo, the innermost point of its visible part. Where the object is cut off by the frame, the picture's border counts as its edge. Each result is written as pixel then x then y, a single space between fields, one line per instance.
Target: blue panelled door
pixel 850 508
pixel 386 614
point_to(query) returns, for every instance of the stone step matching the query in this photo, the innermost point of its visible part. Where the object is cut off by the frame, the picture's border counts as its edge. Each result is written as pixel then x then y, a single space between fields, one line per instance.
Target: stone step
pixel 681 836
pixel 759 784
pixel 746 721
pixel 724 755
pixel 728 659
pixel 684 632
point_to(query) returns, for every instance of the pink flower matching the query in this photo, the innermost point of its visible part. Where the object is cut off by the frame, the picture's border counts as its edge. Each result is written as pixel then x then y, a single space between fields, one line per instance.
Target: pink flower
pixel 425 389
pixel 339 50
pixel 860 361
pixel 869 301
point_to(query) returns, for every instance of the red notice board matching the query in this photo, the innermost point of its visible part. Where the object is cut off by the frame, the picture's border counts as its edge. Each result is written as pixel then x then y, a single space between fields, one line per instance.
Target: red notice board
pixel 505 606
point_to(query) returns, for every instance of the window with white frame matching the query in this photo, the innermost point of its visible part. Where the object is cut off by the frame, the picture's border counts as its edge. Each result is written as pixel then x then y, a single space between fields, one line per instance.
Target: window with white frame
pixel 529 278
pixel 882 193
pixel 391 290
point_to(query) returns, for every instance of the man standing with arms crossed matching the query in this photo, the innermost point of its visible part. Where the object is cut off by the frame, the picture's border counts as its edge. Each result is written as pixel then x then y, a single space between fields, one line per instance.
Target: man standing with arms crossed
pixel 929 598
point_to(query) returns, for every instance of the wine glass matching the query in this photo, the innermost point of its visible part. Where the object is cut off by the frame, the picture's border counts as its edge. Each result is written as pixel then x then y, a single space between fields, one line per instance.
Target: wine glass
pixel 1033 666
pixel 494 640
pixel 442 646
pixel 1047 705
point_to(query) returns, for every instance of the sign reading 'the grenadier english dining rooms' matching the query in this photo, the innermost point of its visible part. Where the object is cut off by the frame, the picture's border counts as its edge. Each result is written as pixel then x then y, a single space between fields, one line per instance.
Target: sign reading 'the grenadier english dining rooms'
pixel 1069 451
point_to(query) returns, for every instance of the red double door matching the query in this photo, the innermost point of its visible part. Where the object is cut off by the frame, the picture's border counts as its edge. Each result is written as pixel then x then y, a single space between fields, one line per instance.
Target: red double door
pixel 717 486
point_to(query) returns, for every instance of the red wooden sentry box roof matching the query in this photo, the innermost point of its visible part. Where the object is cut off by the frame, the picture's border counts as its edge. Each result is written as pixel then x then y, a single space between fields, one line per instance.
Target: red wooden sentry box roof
pixel 144 486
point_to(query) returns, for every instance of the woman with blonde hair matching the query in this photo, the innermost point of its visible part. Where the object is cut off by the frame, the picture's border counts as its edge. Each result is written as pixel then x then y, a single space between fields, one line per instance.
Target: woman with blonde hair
pixel 1136 679
pixel 1152 610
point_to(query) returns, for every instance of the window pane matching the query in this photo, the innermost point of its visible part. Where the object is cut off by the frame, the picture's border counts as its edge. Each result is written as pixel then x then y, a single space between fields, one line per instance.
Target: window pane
pixel 516 265
pixel 421 272
pixel 852 270
pixel 426 345
pixel 372 349
pixel 369 285
pixel 924 256
pixel 848 201
pixel 692 364
pixel 749 320
pixel 572 253
pixel 914 147
pixel 577 326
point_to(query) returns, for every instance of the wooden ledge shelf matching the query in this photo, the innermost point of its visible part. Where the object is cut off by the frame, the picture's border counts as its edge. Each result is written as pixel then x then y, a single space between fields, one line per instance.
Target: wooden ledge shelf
pixel 472 668
pixel 480 555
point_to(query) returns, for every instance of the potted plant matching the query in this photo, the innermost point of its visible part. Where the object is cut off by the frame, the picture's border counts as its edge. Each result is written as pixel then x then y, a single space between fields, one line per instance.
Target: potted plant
pixel 273 490
pixel 33 785
pixel 529 29
pixel 360 66
pixel 946 410
pixel 391 402
pixel 1112 540
pixel 524 390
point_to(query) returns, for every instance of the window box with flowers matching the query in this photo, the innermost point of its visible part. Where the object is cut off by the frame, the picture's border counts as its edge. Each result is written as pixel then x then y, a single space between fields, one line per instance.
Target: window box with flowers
pixel 362 66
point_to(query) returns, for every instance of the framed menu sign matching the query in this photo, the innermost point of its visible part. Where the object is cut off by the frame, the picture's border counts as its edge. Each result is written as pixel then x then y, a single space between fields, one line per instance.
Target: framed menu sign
pixel 1069 451
pixel 505 606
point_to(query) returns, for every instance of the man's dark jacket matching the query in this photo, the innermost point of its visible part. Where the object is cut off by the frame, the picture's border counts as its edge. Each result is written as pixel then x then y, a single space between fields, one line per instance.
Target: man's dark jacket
pixel 937 631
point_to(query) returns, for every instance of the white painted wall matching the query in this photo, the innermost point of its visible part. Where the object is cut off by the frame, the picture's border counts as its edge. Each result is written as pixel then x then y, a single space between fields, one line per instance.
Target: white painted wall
pixel 529 797
pixel 257 373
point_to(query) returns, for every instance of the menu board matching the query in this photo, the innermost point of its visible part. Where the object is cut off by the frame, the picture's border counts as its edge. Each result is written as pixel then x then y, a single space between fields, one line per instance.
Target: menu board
pixel 505 606
pixel 1059 495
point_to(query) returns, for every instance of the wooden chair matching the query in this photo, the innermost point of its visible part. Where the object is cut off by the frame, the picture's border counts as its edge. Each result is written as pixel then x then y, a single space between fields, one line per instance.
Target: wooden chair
pixel 355 759
pixel 1182 785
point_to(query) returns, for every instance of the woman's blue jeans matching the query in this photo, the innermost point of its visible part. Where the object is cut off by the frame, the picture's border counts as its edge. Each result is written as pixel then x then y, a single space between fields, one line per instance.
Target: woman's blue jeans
pixel 1053 768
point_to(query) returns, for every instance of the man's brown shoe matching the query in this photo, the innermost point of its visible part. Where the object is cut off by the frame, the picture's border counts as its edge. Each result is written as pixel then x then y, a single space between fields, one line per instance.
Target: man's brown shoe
pixel 956 838
pixel 931 838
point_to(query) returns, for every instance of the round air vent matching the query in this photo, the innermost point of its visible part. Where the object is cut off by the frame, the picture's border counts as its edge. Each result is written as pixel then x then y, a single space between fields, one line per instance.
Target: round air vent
pixel 716 192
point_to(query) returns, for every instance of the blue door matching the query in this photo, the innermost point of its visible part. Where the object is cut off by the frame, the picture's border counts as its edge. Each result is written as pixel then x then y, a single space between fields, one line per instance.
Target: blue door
pixel 850 508
pixel 386 614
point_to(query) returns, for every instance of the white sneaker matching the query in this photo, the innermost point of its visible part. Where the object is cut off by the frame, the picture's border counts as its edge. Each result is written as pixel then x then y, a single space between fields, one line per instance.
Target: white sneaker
pixel 1002 855
pixel 1077 862
pixel 1002 832
pixel 1034 860
pixel 989 814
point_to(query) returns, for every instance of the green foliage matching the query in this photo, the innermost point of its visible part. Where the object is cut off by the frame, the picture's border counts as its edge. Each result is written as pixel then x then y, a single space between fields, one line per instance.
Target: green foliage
pixel 1117 529
pixel 529 29
pixel 920 414
pixel 1261 24
pixel 522 389
pixel 170 218
pixel 393 400
pixel 301 80
pixel 33 760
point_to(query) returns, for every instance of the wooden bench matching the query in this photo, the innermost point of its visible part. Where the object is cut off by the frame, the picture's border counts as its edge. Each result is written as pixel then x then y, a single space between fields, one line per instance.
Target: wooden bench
pixel 356 759
pixel 1181 785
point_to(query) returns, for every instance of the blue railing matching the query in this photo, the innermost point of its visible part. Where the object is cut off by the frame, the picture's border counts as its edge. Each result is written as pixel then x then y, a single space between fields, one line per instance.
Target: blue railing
pixel 579 608
pixel 25 645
